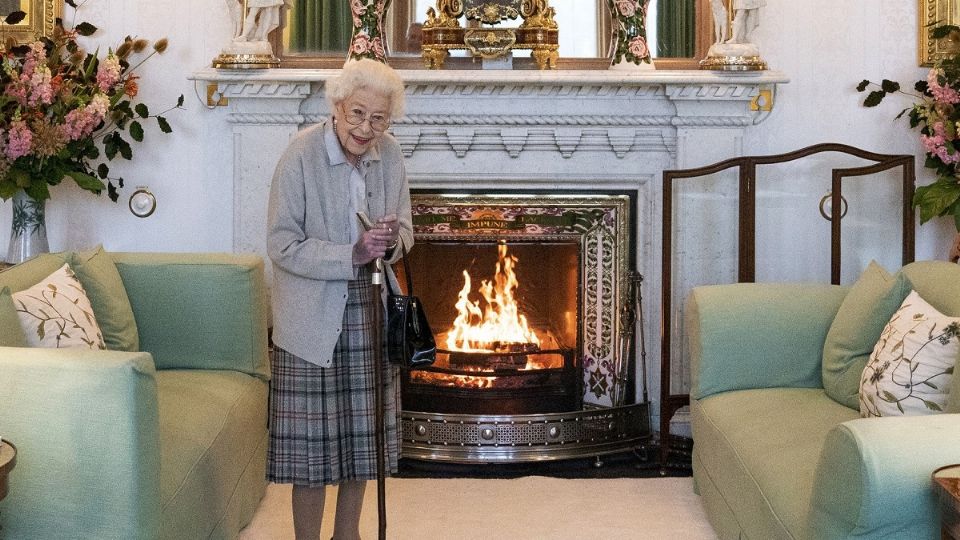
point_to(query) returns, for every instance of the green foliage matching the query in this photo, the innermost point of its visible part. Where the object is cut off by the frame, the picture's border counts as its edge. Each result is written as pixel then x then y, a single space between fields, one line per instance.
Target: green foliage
pixel 935 113
pixel 66 112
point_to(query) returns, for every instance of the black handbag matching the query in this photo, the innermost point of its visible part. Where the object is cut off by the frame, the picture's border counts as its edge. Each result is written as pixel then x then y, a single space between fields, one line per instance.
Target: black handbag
pixel 410 342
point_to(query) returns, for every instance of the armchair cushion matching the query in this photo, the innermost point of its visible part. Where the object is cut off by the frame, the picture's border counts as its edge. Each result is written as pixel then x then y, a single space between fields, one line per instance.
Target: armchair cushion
pixel 56 313
pixel 936 281
pixel 12 335
pixel 108 297
pixel 856 328
pixel 97 272
pixel 910 370
pixel 212 421
pixel 756 335
pixel 749 460
pixel 23 276
pixel 199 311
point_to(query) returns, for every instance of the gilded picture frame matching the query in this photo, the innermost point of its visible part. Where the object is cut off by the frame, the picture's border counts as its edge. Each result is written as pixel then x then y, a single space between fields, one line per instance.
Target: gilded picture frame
pixel 39 22
pixel 934 13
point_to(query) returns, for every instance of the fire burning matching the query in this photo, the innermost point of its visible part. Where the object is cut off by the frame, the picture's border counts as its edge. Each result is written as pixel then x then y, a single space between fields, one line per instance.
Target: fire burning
pixel 498 326
pixel 490 344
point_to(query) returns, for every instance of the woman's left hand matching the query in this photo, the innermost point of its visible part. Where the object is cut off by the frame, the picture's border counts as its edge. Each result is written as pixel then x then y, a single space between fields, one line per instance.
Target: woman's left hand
pixel 392 226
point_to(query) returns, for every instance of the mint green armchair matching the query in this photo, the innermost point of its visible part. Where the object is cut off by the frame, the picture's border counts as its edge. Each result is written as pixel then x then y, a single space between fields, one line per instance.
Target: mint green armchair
pixel 774 456
pixel 169 442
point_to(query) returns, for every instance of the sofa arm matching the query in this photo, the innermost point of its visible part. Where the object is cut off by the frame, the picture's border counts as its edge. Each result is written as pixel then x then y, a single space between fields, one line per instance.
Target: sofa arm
pixel 873 479
pixel 86 427
pixel 758 335
pixel 199 310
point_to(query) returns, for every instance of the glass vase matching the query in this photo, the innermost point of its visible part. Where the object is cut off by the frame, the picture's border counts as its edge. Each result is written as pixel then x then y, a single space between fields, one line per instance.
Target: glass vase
pixel 630 49
pixel 955 249
pixel 28 229
pixel 367 39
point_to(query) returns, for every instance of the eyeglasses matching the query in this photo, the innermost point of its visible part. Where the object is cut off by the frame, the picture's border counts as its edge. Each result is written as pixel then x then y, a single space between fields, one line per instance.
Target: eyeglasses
pixel 355 117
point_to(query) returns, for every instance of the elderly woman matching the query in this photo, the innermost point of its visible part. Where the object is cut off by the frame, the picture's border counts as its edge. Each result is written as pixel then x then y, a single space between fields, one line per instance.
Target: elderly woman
pixel 321 408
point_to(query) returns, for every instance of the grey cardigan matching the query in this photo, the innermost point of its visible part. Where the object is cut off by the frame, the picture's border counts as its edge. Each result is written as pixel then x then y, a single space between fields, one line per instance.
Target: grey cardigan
pixel 308 235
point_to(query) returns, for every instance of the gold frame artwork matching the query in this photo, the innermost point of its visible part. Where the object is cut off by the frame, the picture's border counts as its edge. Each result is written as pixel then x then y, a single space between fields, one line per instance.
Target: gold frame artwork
pixel 39 22
pixel 934 13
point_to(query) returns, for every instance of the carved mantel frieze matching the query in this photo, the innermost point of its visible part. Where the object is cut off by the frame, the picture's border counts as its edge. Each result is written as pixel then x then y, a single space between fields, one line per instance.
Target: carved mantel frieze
pixel 563 112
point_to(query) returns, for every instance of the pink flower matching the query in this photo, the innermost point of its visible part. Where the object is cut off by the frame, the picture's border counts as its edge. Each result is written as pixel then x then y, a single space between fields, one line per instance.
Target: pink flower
pixel 41 90
pixel 108 73
pixel 17 91
pixel 19 141
pixel 627 8
pixel 358 8
pixel 941 93
pixel 936 145
pixel 37 55
pixel 361 43
pixel 378 50
pixel 81 122
pixel 638 47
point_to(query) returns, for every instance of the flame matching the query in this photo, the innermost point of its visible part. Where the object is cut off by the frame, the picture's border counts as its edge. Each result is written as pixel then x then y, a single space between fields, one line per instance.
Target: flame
pixel 500 321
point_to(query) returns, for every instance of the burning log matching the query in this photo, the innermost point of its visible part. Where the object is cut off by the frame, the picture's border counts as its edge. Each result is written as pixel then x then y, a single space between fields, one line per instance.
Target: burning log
pixel 505 356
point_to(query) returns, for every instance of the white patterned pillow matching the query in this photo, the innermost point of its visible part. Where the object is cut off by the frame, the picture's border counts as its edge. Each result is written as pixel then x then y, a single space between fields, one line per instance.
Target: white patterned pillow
pixel 910 370
pixel 56 313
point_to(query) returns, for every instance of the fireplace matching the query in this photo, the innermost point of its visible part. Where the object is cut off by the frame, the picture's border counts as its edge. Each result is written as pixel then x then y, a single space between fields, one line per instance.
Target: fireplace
pixel 498 130
pixel 525 293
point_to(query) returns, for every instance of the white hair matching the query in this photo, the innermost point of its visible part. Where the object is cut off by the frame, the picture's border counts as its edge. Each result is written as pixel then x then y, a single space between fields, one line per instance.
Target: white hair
pixel 370 75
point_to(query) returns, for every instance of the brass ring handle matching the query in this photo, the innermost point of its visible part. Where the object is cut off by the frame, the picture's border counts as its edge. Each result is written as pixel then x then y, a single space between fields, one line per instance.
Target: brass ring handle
pixel 843 205
pixel 142 202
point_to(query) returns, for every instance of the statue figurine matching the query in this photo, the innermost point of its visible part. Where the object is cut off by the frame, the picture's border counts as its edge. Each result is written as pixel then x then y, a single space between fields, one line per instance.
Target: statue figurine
pixel 733 50
pixel 449 12
pixel 719 20
pixel 537 14
pixel 261 18
pixel 253 21
pixel 746 19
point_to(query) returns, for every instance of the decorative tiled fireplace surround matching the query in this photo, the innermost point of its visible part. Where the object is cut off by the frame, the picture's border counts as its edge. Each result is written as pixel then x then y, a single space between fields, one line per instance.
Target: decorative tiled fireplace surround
pixel 546 131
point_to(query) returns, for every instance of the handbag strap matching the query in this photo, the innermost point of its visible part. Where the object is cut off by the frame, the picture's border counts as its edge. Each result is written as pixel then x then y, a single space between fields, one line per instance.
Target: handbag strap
pixel 406 272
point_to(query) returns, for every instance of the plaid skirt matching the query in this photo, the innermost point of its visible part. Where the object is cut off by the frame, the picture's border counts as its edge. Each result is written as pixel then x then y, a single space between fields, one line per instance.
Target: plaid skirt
pixel 322 426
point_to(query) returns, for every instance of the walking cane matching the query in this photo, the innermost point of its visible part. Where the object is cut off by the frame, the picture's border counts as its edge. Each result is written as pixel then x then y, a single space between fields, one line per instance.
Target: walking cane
pixel 376 279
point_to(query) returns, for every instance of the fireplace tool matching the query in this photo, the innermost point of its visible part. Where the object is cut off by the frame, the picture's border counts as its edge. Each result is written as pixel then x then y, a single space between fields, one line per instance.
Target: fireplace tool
pixel 631 314
pixel 376 282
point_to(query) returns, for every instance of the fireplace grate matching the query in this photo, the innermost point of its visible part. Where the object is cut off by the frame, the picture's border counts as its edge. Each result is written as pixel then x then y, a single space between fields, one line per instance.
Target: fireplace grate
pixel 465 438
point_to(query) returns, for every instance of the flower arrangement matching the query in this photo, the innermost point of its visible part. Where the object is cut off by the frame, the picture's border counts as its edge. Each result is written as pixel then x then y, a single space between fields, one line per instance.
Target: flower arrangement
pixel 936 113
pixel 65 112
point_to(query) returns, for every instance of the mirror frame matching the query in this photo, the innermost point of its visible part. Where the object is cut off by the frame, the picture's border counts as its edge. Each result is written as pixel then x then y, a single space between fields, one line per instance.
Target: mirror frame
pixel 399 17
pixel 934 13
pixel 42 17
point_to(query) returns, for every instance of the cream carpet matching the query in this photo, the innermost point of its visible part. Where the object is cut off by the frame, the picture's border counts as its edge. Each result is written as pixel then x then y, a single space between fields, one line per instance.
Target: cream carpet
pixel 532 507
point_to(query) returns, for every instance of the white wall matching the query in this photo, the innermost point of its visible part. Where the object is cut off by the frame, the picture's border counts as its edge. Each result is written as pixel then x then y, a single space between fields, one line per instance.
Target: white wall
pixel 825 46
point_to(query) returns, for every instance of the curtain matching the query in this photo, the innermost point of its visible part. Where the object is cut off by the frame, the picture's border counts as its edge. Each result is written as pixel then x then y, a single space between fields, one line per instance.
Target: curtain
pixel 676 28
pixel 319 25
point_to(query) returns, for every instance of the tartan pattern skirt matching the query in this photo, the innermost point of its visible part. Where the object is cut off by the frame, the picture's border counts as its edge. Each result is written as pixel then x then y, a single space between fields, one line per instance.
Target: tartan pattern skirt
pixel 322 419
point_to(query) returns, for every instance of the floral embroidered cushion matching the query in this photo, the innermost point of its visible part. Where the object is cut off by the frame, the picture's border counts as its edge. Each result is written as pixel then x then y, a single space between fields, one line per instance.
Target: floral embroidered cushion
pixel 855 329
pixel 911 368
pixel 953 403
pixel 56 313
pixel 11 334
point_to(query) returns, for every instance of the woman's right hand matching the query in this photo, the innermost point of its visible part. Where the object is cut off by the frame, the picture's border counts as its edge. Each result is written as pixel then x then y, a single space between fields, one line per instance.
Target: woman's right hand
pixel 371 245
